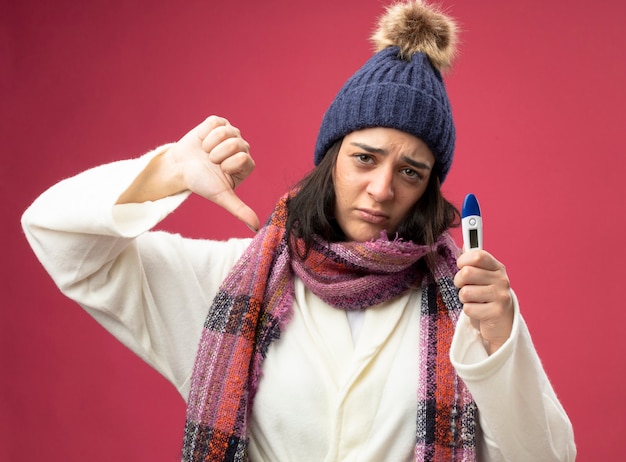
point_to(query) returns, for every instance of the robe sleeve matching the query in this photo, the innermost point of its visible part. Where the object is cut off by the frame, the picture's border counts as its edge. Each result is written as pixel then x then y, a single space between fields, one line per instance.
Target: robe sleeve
pixel 520 415
pixel 150 289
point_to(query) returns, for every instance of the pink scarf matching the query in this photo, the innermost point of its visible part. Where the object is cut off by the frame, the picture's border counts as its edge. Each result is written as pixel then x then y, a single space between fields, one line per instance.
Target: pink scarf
pixel 254 304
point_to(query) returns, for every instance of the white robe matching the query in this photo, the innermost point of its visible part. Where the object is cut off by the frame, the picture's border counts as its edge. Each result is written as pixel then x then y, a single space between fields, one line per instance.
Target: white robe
pixel 333 389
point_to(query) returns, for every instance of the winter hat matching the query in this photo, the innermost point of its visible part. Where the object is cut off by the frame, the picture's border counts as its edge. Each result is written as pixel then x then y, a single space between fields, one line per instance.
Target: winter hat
pixel 401 86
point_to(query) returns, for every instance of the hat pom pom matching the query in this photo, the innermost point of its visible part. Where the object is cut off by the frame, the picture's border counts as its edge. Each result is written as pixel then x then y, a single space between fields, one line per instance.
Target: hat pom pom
pixel 416 27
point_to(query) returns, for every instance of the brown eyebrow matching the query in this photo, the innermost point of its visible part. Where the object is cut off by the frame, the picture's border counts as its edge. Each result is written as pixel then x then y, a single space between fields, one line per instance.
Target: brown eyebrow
pixel 407 159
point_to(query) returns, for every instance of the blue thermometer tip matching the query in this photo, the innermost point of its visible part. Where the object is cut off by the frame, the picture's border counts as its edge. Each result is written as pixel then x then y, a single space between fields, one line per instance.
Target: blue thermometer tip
pixel 470 206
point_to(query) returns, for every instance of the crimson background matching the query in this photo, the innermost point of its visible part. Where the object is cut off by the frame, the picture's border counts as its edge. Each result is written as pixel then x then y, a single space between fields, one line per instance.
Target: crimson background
pixel 538 98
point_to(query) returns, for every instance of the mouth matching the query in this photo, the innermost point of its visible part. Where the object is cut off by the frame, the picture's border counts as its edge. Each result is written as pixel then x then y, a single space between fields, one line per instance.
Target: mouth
pixel 372 216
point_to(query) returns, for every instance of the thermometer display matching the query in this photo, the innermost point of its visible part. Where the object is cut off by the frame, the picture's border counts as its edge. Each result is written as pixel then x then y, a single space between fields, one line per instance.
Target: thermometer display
pixel 472 223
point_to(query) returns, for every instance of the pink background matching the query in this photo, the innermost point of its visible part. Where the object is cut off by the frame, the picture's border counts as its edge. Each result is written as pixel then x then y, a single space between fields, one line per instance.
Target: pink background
pixel 538 96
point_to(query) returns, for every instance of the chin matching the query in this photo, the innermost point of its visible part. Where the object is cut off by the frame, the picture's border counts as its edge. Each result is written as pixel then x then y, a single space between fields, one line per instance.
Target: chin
pixel 369 235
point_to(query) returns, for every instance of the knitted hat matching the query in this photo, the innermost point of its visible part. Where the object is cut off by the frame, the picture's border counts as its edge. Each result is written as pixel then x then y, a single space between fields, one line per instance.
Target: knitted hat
pixel 401 86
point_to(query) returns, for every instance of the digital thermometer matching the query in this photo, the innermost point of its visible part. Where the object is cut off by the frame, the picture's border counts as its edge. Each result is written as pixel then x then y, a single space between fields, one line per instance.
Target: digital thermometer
pixel 472 223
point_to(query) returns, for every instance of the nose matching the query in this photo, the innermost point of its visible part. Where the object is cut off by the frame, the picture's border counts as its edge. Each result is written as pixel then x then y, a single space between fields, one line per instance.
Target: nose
pixel 380 186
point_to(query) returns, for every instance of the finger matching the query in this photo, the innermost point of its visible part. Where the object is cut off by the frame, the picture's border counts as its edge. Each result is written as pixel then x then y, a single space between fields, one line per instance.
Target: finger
pixel 491 300
pixel 479 259
pixel 238 166
pixel 493 318
pixel 477 285
pixel 478 311
pixel 218 135
pixel 228 148
pixel 208 125
pixel 233 204
pixel 477 294
pixel 472 275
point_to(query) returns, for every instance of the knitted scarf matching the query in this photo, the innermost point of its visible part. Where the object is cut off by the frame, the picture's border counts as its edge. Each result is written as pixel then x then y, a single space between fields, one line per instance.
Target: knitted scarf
pixel 254 304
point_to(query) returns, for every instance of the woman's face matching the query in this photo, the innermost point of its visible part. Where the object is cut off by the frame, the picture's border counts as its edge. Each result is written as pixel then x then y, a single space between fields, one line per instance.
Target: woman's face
pixel 379 175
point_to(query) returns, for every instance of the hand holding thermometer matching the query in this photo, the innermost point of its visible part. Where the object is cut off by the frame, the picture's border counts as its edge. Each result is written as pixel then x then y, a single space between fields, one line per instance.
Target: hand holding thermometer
pixel 472 223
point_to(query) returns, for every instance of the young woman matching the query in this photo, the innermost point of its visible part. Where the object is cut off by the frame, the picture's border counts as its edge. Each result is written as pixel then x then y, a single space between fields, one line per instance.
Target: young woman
pixel 350 327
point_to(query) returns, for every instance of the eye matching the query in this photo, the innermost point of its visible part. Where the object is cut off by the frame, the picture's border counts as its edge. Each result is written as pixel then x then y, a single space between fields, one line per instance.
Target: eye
pixel 413 174
pixel 364 158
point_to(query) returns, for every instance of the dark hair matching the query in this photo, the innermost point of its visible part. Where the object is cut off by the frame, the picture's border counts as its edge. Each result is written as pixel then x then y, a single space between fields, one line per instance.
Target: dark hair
pixel 311 211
